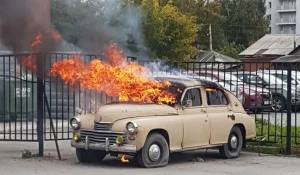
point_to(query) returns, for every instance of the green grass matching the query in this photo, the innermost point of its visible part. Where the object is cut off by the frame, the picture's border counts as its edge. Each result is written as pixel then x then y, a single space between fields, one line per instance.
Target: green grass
pixel 275 136
pixel 28 154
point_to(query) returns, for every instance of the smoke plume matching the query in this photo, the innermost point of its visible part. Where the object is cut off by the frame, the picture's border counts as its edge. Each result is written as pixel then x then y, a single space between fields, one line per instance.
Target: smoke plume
pixel 20 23
pixel 106 21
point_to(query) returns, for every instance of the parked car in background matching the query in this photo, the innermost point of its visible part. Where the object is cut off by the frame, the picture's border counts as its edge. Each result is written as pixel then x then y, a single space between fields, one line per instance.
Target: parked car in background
pixel 255 99
pixel 226 84
pixel 205 115
pixel 276 86
pixel 283 74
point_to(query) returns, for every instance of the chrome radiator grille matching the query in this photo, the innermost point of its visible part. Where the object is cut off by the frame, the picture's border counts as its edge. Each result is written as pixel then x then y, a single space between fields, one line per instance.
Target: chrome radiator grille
pixel 102 126
pixel 101 131
pixel 100 136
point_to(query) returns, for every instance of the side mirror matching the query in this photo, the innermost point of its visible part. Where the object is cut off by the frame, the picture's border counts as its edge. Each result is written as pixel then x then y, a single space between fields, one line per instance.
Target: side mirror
pixel 187 103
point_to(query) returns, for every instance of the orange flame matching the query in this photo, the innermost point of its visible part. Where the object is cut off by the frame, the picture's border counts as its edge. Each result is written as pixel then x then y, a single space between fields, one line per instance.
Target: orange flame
pixel 117 78
pixel 124 160
pixel 30 61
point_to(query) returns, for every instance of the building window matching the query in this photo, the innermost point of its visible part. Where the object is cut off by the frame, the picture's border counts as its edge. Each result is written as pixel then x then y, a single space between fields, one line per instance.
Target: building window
pixel 270 17
pixel 270 4
pixel 270 29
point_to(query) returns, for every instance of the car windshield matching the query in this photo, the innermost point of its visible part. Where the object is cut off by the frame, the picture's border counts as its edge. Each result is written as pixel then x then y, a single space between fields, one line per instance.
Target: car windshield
pixel 176 90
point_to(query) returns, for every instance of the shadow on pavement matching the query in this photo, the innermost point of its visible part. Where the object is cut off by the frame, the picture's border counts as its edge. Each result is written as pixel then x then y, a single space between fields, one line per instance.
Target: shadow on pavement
pixel 175 159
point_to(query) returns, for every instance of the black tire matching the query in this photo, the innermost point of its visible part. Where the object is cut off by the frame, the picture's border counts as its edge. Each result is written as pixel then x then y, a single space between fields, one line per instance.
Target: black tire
pixel 278 99
pixel 88 156
pixel 154 140
pixel 227 151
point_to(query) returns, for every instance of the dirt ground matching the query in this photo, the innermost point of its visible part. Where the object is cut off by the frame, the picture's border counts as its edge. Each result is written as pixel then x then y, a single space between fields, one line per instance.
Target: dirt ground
pixel 201 162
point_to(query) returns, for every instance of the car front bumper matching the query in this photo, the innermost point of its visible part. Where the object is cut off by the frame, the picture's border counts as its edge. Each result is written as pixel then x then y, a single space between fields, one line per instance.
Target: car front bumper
pixel 124 148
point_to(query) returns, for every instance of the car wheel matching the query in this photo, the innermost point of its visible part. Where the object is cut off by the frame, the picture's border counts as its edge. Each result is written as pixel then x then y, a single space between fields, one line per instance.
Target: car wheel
pixel 87 156
pixel 278 104
pixel 155 152
pixel 234 146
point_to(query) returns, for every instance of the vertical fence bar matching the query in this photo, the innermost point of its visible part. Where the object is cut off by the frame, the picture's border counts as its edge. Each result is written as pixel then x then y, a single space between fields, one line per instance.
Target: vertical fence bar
pixel 21 100
pixel 4 92
pixel 9 98
pixel 289 120
pixel 40 106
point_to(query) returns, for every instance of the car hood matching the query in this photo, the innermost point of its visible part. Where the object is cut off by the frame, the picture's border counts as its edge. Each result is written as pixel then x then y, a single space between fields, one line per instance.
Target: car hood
pixel 118 111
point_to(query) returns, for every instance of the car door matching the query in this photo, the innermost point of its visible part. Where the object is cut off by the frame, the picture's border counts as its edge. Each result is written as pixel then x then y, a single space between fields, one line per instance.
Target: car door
pixel 220 115
pixel 195 120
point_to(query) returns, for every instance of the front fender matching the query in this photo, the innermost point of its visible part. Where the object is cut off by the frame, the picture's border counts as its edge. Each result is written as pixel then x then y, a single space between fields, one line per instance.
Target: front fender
pixel 172 125
pixel 86 121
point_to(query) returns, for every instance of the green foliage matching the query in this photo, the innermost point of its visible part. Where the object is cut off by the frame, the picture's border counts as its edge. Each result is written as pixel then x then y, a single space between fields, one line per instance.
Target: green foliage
pixel 232 50
pixel 276 134
pixel 28 154
pixel 169 33
pixel 245 20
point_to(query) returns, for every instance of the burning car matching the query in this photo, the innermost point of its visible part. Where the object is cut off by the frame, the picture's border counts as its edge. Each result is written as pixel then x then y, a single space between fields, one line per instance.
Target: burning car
pixel 205 115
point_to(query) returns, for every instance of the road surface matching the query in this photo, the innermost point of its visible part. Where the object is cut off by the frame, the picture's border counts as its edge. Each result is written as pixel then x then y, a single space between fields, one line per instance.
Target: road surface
pixel 201 162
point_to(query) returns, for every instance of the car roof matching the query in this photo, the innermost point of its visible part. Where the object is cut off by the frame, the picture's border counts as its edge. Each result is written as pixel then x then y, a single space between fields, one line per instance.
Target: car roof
pixel 188 82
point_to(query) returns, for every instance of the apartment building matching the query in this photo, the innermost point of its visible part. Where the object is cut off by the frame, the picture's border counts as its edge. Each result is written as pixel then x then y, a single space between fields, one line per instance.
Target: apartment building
pixel 284 16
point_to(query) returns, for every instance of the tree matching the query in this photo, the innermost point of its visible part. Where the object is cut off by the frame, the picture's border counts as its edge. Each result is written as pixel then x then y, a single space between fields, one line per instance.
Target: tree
pixel 245 20
pixel 232 50
pixel 169 34
pixel 206 13
pixel 210 14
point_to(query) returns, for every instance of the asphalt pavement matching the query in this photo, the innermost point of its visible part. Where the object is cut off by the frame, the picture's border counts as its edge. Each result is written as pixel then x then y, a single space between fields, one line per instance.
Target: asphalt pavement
pixel 200 162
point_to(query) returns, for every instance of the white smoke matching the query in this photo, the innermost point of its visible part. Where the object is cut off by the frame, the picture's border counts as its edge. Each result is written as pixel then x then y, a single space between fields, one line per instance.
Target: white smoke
pixel 119 24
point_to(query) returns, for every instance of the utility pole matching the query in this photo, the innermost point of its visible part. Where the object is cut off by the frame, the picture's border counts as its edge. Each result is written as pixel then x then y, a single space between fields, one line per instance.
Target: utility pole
pixel 210 38
pixel 294 37
pixel 210 33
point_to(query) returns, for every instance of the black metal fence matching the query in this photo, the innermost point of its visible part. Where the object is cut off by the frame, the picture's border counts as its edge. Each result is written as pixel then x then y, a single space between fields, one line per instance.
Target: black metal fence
pixel 268 91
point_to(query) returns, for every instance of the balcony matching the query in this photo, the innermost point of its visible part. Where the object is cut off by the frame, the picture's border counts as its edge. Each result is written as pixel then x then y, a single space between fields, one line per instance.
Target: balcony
pixel 290 21
pixel 286 8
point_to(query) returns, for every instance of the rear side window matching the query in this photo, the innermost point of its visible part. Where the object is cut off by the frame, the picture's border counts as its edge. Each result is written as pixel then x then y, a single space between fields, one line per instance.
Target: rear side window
pixel 215 97
pixel 194 96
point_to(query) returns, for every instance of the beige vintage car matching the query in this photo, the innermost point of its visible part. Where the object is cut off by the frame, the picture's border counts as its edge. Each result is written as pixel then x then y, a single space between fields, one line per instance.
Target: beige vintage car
pixel 205 116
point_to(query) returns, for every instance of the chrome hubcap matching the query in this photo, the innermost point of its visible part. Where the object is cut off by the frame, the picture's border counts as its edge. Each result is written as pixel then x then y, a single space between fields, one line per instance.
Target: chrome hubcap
pixel 234 142
pixel 154 152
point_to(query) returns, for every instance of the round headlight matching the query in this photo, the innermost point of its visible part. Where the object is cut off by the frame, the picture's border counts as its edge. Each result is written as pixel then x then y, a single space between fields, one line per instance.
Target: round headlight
pixel 131 127
pixel 75 123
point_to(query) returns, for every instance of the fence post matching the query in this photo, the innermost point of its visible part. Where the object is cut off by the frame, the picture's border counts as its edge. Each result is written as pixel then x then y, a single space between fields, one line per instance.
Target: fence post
pixel 40 103
pixel 289 114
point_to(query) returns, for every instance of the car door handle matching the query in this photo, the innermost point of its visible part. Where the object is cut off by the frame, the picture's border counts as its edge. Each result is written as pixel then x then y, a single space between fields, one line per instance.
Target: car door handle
pixel 203 110
pixel 229 109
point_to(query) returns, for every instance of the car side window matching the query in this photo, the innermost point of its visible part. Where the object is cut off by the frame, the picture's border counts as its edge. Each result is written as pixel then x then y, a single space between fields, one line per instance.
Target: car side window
pixel 194 96
pixel 215 97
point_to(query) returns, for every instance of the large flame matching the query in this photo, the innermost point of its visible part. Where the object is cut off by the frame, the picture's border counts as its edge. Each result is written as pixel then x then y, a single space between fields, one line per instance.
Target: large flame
pixel 116 78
